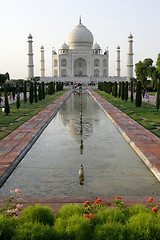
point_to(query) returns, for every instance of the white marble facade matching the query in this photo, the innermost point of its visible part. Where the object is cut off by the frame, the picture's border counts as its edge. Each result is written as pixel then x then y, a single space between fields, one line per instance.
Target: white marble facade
pixel 80 58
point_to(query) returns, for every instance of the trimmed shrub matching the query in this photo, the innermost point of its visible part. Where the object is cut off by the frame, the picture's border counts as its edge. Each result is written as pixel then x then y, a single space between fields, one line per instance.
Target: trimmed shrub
pixel 43 91
pixel 31 93
pixel 115 89
pixel 122 90
pixel 40 92
pixel 119 92
pixel 126 91
pixel 105 86
pixel 7 227
pixel 157 97
pixel 35 92
pixel 34 231
pixel 7 108
pixel 37 213
pixel 138 101
pixel 25 92
pixel 69 210
pixel 132 91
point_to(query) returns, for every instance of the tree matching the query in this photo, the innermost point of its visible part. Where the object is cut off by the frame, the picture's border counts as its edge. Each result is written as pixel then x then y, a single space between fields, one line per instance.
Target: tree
pixel 40 92
pixel 25 92
pixel 138 101
pixel 119 92
pixel 141 69
pixel 115 89
pixel 31 93
pixel 17 102
pixel 158 98
pixel 126 91
pixel 35 92
pixel 132 90
pixel 158 63
pixel 109 87
pixel 122 91
pixel 43 91
pixel 6 104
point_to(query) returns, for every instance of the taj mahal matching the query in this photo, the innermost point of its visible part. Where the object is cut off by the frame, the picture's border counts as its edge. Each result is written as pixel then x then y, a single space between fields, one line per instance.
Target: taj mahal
pixel 81 59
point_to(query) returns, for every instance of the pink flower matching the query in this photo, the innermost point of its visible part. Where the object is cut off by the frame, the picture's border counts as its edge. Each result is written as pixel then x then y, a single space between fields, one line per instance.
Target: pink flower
pixel 18 192
pixel 155 209
pixel 149 200
pixel 11 191
pixel 19 206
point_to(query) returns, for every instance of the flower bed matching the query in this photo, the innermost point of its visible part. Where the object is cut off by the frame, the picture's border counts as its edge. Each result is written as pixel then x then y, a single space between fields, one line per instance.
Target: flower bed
pixel 90 221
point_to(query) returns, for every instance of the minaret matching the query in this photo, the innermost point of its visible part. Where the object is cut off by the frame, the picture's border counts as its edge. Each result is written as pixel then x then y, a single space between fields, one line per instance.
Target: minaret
pixel 30 58
pixel 130 58
pixel 118 62
pixel 42 62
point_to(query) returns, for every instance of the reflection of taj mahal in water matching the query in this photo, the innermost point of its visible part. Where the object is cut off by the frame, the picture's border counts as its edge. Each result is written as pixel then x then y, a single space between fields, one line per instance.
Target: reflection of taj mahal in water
pixel 81 59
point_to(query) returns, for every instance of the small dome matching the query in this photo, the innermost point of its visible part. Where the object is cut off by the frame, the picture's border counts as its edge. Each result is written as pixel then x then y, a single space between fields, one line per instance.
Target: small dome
pixel 30 36
pixel 42 47
pixel 130 36
pixel 118 47
pixel 96 47
pixel 80 37
pixel 64 46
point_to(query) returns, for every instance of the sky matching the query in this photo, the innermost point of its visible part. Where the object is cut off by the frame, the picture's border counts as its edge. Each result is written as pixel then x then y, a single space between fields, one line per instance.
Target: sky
pixel 50 21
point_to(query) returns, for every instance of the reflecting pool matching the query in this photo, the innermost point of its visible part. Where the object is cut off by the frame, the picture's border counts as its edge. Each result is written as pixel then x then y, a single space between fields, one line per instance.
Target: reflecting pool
pixel 81 133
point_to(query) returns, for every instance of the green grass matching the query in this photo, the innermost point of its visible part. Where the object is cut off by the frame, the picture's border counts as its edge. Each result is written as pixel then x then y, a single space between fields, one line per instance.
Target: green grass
pixel 25 112
pixel 146 115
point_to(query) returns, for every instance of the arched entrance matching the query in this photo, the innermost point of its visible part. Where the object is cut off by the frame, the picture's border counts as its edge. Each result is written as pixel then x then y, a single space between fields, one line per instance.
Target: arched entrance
pixel 80 68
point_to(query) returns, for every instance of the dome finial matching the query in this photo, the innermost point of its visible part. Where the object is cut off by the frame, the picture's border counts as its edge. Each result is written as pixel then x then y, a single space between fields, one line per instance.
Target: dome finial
pixel 80 19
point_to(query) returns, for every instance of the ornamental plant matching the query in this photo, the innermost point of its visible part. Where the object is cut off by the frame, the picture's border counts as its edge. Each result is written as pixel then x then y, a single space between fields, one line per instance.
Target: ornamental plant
pixel 138 101
pixel 122 90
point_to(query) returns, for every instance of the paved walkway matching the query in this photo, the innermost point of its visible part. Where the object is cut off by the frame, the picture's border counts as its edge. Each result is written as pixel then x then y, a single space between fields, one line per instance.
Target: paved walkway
pixel 15 145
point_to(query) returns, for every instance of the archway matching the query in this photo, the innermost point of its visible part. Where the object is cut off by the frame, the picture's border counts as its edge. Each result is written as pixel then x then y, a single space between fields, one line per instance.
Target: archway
pixel 64 73
pixel 64 63
pixel 96 73
pixel 80 68
pixel 55 73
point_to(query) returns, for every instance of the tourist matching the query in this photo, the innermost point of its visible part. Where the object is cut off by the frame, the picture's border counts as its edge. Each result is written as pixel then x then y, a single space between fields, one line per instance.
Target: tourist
pixel 147 96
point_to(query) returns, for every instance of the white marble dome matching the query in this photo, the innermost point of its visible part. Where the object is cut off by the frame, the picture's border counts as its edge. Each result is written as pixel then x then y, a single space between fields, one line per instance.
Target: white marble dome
pixel 64 46
pixel 80 37
pixel 96 47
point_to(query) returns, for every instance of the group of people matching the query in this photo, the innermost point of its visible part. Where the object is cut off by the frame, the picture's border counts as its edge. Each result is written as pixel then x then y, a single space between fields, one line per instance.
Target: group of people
pixel 147 95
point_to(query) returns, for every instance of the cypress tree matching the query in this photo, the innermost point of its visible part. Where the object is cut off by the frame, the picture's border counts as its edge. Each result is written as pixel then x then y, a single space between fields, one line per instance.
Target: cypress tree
pixel 40 92
pixel 122 91
pixel 105 86
pixel 109 87
pixel 17 102
pixel 57 87
pixel 157 98
pixel 25 92
pixel 126 91
pixel 31 93
pixel 119 92
pixel 132 90
pixel 115 89
pixel 43 91
pixel 6 104
pixel 138 101
pixel 53 87
pixel 35 93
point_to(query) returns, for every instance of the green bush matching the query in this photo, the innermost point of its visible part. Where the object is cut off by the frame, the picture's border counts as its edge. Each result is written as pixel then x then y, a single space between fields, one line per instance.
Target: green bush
pixel 34 231
pixel 74 227
pixel 138 101
pixel 7 227
pixel 69 210
pixel 122 90
pixel 37 213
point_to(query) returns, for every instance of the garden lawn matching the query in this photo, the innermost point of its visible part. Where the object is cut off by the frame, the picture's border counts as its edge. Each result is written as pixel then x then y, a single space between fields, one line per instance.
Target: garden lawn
pixel 146 115
pixel 19 116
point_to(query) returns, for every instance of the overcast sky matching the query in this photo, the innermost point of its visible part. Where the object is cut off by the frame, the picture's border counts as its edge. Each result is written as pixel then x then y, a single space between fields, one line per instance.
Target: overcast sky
pixel 50 22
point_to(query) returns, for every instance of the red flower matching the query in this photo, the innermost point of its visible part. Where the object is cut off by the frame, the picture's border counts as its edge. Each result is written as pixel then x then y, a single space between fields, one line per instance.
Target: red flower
pixel 98 201
pixel 87 203
pixel 149 200
pixel 118 197
pixel 155 209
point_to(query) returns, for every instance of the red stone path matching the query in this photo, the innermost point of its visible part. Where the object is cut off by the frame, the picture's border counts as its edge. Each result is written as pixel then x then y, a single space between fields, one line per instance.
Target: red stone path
pixel 146 144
